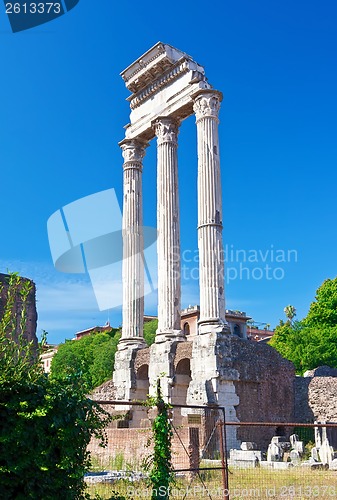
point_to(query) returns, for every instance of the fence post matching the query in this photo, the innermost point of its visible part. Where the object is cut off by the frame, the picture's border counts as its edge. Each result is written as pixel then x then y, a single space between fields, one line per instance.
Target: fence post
pixel 223 453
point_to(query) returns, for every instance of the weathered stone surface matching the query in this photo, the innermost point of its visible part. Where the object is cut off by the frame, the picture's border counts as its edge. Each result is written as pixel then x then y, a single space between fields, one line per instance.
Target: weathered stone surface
pixel 105 392
pixel 183 351
pixel 124 375
pixel 142 358
pixel 274 453
pixel 276 465
pixel 321 371
pixel 162 366
pixel 246 455
pixel 168 224
pixel 246 445
pixel 333 464
pixel 163 81
pixel 211 264
pixel 315 396
pixel 133 245
pixel 314 454
pixel 295 457
pixel 325 452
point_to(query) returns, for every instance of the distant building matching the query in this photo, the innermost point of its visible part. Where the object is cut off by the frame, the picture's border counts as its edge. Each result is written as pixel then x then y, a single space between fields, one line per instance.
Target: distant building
pixel 46 357
pixel 94 329
pixel 237 321
pixel 259 334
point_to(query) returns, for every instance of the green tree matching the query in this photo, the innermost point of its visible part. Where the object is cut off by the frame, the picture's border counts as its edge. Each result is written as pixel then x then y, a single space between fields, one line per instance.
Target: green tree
pixel 93 356
pixel 323 311
pixel 313 341
pixel 150 328
pixel 290 312
pixel 46 424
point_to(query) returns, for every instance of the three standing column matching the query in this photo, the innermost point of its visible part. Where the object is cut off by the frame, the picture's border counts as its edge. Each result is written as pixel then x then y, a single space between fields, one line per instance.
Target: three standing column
pixel 133 244
pixel 168 224
pixel 211 254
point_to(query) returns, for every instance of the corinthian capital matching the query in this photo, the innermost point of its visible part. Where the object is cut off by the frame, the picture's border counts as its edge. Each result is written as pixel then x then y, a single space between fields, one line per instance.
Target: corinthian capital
pixel 133 150
pixel 207 105
pixel 166 130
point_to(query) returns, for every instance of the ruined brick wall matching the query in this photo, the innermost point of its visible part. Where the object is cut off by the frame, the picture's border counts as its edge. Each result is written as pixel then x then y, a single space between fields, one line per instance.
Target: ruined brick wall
pixel 316 395
pixel 132 446
pixel 104 392
pixel 142 358
pixel 30 331
pixel 302 411
pixel 184 351
pixel 265 388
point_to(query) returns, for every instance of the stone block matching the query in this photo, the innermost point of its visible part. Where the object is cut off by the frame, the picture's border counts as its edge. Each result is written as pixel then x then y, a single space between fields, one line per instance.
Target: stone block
pixel 278 439
pixel 295 457
pixel 333 464
pixel 276 465
pixel 248 446
pixel 246 455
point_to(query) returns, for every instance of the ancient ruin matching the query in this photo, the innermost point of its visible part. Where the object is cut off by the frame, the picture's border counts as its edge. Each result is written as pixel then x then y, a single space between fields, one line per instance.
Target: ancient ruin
pixel 216 365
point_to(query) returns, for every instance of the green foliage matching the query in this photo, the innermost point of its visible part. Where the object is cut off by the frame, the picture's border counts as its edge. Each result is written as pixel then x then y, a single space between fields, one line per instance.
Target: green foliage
pixel 150 328
pixel 46 424
pixel 313 341
pixel 16 353
pixel 159 464
pixel 290 312
pixel 93 356
pixel 323 311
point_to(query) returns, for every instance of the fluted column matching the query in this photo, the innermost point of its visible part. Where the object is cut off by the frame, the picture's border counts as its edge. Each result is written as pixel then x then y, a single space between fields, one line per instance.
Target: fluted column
pixel 133 244
pixel 211 255
pixel 168 225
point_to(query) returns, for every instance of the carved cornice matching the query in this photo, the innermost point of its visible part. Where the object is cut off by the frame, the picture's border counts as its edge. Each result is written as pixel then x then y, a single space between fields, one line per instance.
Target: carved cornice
pixel 160 51
pixel 133 151
pixel 175 72
pixel 207 105
pixel 166 130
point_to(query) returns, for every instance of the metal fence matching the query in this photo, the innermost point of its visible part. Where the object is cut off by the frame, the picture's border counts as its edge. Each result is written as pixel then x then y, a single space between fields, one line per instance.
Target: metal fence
pixel 215 459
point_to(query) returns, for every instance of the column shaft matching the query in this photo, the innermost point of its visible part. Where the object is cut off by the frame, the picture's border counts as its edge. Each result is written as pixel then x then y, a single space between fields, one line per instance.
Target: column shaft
pixel 133 244
pixel 211 256
pixel 168 244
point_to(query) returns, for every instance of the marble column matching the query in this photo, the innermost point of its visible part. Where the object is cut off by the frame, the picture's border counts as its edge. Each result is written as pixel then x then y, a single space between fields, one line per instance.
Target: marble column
pixel 168 225
pixel 133 245
pixel 211 254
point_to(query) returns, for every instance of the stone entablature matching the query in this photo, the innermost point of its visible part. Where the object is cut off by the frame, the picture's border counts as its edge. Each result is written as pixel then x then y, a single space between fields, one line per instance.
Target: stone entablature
pixel 163 82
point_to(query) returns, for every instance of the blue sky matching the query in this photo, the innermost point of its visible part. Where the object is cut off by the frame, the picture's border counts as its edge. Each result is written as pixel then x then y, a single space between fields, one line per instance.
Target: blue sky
pixel 62 112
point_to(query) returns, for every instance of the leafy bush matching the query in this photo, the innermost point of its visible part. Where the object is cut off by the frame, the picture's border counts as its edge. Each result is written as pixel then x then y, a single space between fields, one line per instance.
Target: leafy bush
pixel 46 424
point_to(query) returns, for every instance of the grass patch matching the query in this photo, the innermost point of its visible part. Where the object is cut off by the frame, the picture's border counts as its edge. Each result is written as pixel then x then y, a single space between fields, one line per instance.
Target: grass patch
pixel 298 483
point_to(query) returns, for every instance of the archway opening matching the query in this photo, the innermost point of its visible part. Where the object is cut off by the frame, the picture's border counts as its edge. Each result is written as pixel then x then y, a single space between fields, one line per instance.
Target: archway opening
pixel 182 381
